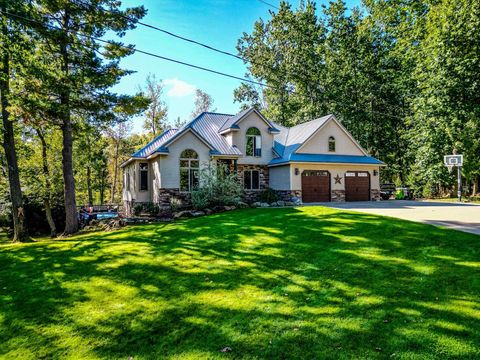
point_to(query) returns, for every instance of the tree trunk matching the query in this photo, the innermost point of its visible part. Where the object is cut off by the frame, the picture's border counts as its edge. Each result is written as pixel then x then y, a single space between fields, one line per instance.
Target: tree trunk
pixel 20 232
pixel 89 185
pixel 102 187
pixel 115 172
pixel 47 195
pixel 71 219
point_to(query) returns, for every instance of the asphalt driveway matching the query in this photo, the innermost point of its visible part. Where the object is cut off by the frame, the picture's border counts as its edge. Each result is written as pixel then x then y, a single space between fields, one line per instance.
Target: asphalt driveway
pixel 458 216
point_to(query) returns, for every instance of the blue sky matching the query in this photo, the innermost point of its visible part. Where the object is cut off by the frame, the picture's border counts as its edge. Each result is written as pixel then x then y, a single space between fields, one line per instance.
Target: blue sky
pixel 218 23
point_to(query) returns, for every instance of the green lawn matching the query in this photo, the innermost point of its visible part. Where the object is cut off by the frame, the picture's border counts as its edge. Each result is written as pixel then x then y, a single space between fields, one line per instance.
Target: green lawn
pixel 305 283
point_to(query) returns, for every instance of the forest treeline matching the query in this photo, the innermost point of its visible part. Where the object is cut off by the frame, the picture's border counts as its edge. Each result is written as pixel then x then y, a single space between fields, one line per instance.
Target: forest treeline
pixel 64 132
pixel 402 76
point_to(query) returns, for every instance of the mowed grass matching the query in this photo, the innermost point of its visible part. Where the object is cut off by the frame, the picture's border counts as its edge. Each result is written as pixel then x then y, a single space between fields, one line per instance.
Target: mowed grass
pixel 304 283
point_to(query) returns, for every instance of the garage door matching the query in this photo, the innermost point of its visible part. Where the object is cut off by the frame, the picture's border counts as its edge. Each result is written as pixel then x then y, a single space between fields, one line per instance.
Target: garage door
pixel 315 186
pixel 357 186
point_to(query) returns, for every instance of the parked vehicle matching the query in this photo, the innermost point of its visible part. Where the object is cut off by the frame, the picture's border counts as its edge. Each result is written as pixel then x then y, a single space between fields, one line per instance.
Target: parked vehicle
pixel 387 190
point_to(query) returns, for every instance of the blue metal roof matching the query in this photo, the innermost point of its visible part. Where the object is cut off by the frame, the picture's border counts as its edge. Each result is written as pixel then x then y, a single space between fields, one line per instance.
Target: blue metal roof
pixel 289 140
pixel 230 122
pixel 206 125
pixel 327 158
pixel 156 143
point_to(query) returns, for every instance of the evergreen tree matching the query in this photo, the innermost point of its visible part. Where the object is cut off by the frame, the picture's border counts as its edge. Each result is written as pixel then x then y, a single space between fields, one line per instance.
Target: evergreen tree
pixel 73 74
pixel 13 45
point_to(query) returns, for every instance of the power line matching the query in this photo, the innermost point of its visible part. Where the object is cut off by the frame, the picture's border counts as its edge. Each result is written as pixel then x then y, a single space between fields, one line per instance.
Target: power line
pixel 142 51
pixel 268 4
pixel 183 63
pixel 170 33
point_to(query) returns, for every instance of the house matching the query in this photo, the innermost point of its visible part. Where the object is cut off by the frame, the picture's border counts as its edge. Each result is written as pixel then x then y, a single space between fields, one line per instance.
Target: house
pixel 316 161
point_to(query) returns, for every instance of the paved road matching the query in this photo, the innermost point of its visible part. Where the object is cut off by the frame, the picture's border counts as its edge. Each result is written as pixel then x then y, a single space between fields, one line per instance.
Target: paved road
pixel 463 217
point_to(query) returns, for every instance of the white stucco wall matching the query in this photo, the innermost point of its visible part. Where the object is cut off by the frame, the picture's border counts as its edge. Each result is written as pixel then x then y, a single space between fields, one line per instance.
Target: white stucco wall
pixel 296 180
pixel 170 164
pixel 239 139
pixel 155 178
pixel 318 144
pixel 279 177
pixel 132 171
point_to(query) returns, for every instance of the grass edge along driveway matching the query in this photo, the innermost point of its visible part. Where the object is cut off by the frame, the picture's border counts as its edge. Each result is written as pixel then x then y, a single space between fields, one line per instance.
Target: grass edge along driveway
pixel 299 283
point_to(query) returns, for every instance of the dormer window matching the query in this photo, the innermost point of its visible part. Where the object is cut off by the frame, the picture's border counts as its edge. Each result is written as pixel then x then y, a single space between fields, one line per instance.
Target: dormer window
pixel 253 142
pixel 331 144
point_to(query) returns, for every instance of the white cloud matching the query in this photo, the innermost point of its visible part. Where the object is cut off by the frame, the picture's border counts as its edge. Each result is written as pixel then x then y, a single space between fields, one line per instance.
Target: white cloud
pixel 178 88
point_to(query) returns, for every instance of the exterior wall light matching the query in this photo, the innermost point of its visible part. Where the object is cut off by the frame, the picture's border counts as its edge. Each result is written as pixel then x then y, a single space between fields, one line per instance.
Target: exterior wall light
pixel 297 171
pixel 375 172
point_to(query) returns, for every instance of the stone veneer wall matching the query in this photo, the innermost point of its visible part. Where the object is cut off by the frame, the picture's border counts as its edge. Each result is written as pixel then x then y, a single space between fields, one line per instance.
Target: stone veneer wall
pixel 172 199
pixel 252 195
pixel 374 194
pixel 286 195
pixel 338 196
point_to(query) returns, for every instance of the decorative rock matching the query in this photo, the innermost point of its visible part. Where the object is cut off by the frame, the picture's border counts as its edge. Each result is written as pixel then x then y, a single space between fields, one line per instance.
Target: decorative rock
pixel 289 203
pixel 218 208
pixel 281 203
pixel 182 214
pixel 208 211
pixel 296 200
pixel 264 205
pixel 256 204
pixel 197 213
pixel 242 205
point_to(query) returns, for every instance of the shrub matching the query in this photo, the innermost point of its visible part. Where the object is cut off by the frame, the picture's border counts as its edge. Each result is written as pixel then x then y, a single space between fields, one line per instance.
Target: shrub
pixel 137 209
pixel 152 208
pixel 218 186
pixel 268 196
pixel 175 203
pixel 399 195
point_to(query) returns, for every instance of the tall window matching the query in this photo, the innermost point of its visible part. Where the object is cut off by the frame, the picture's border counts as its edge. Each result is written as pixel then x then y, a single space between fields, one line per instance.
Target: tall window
pixel 254 142
pixel 251 180
pixel 143 176
pixel 189 170
pixel 331 144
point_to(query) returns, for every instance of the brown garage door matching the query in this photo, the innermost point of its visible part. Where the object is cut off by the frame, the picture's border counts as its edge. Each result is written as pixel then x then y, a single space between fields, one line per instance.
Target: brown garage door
pixel 315 186
pixel 357 186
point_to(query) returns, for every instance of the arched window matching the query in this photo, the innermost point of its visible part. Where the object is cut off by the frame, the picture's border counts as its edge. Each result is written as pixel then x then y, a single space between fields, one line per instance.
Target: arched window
pixel 253 142
pixel 189 170
pixel 331 144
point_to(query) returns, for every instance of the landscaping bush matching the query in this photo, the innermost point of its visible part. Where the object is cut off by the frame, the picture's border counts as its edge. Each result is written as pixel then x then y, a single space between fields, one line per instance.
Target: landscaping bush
pixel 400 195
pixel 268 196
pixel 218 186
pixel 152 208
pixel 5 216
pixel 137 209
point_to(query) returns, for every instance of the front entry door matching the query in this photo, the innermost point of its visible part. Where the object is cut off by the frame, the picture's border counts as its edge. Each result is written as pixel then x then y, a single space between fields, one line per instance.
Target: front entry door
pixel 357 186
pixel 315 186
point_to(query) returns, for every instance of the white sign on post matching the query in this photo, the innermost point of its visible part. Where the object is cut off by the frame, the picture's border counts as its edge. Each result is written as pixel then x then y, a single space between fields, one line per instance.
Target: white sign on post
pixel 455 160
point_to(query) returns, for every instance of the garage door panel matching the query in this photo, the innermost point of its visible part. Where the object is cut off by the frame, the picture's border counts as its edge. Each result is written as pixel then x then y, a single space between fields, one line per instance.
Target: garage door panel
pixel 315 186
pixel 357 186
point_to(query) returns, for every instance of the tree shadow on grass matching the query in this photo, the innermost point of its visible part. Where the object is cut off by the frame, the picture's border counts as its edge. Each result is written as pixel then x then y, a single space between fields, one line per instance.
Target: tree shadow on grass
pixel 268 283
